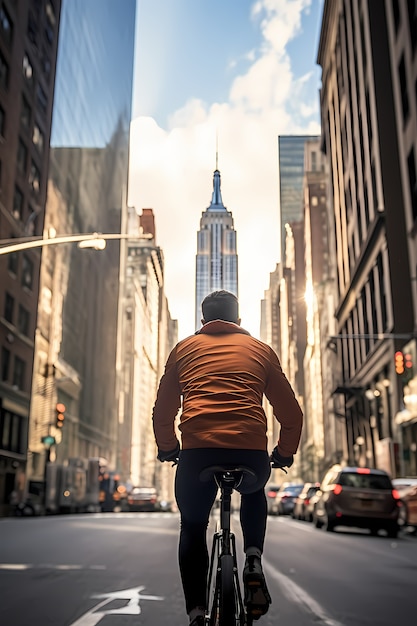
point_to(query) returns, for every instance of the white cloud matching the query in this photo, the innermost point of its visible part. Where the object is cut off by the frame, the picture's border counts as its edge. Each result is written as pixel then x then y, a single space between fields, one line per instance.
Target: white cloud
pixel 171 170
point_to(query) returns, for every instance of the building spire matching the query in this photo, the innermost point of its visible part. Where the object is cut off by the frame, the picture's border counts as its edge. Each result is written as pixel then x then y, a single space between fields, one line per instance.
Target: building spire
pixel 217 150
pixel 216 199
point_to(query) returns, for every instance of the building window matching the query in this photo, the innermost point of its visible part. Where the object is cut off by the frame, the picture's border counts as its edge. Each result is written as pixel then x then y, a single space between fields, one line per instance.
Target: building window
pixel 11 428
pixel 25 113
pixel 396 13
pixel 22 156
pixel 412 21
pixel 34 178
pixel 17 203
pixel 8 308
pixel 19 373
pixel 32 30
pixel 42 99
pixel 6 418
pixel 4 72
pixel 5 363
pixel 30 226
pixel 46 65
pixel 12 263
pixel 27 272
pixel 2 121
pixel 412 181
pixel 37 137
pixel 6 25
pixel 403 86
pixel 23 319
pixel 50 22
pixel 28 70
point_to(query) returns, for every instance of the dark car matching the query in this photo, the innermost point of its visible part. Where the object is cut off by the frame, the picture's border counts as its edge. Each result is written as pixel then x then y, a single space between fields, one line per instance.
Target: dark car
pixel 284 500
pixel 357 496
pixel 301 503
pixel 143 499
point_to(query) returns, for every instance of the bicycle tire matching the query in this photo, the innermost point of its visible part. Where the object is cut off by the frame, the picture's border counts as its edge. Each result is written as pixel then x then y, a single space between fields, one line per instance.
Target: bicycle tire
pixel 227 599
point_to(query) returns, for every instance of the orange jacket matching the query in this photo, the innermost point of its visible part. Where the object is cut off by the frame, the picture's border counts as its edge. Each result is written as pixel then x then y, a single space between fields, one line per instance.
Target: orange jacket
pixel 222 373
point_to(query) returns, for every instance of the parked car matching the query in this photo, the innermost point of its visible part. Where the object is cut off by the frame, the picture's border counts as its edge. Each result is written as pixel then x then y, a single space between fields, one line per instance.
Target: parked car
pixel 357 496
pixel 302 501
pixel 407 489
pixel 284 499
pixel 143 499
pixel 271 493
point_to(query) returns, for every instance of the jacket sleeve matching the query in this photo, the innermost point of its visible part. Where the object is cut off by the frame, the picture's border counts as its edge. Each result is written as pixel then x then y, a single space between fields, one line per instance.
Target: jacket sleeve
pixel 285 406
pixel 168 401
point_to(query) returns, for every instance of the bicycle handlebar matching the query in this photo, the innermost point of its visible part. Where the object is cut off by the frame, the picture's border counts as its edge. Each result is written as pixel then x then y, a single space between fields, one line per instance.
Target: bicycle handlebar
pixel 276 466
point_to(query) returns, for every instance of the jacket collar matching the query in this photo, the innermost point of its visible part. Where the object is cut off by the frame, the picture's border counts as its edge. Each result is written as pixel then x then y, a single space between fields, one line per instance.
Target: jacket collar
pixel 217 327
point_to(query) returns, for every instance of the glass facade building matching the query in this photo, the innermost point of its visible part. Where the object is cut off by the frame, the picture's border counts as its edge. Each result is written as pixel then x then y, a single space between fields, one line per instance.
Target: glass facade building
pixel 291 173
pixel 76 336
pixel 216 259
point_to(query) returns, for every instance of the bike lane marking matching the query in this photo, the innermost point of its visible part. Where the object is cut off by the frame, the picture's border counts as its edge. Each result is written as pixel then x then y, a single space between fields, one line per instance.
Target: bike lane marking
pixel 133 595
pixel 295 593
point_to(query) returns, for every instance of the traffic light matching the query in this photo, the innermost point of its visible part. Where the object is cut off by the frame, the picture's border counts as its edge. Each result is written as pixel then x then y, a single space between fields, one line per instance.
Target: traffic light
pixel 399 363
pixel 59 415
pixel 408 366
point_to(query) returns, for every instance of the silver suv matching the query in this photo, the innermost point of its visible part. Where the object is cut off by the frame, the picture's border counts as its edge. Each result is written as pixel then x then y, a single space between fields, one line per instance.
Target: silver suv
pixel 357 496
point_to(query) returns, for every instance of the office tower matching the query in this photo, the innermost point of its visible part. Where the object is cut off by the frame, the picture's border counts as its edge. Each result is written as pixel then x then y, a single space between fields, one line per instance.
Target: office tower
pixel 148 335
pixel 28 51
pixel 291 172
pixel 76 337
pixel 368 55
pixel 216 259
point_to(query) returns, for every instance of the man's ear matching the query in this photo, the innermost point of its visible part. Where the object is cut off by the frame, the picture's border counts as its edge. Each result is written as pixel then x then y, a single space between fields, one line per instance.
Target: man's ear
pixel 203 321
pixel 238 321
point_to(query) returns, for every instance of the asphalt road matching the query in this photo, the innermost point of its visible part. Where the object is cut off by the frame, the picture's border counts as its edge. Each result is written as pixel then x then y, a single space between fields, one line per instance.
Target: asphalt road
pixel 121 570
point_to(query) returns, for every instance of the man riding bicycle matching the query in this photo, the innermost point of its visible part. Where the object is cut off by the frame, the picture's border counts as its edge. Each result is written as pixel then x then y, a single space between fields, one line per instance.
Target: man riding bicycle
pixel 221 374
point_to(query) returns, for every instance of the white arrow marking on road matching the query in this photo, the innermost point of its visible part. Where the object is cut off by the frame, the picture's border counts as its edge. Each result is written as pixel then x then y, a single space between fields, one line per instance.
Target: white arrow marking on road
pixel 134 595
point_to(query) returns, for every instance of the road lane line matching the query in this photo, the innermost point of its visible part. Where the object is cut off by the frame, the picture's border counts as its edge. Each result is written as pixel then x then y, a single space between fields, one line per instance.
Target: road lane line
pixel 295 593
pixel 64 566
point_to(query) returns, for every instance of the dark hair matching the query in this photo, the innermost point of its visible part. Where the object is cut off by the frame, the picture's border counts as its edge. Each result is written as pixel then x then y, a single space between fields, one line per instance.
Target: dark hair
pixel 220 305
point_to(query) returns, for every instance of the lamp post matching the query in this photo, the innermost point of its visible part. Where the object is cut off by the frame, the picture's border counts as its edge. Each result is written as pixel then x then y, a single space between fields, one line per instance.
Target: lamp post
pixel 86 240
pixel 94 240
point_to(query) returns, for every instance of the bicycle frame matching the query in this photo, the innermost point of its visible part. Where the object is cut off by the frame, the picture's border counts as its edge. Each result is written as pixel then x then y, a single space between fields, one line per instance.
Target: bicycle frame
pixel 224 597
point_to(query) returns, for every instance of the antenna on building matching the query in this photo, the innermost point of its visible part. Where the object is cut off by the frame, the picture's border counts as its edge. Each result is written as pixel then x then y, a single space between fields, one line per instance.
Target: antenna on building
pixel 217 149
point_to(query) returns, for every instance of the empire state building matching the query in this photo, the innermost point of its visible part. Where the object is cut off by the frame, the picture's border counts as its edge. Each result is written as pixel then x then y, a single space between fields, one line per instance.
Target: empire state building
pixel 216 259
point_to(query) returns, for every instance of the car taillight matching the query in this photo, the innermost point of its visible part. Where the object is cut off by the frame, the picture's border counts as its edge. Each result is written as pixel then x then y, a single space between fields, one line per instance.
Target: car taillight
pixel 271 494
pixel 307 500
pixel 395 494
pixel 337 489
pixel 363 470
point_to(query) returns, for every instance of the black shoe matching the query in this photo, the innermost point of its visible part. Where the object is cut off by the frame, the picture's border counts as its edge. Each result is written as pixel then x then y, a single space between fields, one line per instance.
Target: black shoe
pixel 198 621
pixel 257 598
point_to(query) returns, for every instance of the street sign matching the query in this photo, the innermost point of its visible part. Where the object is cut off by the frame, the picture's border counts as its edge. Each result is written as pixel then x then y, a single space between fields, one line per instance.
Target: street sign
pixel 48 440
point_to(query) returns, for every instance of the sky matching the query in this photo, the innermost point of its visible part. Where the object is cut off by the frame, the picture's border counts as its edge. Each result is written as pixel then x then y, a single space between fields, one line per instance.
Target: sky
pixel 231 73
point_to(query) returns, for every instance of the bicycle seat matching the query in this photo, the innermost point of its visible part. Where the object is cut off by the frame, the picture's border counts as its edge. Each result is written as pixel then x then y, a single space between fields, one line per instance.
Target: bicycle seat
pixel 229 473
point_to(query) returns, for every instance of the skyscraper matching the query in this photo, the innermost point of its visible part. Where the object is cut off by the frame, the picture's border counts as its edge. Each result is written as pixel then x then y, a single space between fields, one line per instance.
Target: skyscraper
pixel 291 172
pixel 28 52
pixel 216 259
pixel 76 334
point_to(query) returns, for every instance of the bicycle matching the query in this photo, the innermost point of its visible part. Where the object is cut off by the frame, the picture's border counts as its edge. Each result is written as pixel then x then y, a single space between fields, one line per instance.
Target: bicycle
pixel 224 602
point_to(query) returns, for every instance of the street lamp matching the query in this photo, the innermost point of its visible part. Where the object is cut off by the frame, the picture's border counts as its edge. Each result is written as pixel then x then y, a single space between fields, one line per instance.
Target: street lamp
pixel 86 240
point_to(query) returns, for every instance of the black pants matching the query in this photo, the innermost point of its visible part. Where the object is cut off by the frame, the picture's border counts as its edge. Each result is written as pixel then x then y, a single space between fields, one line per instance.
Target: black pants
pixel 195 500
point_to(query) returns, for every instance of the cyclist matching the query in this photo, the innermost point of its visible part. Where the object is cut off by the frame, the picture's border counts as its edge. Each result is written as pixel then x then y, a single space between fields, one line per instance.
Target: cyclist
pixel 221 374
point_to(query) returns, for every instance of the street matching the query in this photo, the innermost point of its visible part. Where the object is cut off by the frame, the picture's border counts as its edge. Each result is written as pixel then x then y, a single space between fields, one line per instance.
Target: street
pixel 118 569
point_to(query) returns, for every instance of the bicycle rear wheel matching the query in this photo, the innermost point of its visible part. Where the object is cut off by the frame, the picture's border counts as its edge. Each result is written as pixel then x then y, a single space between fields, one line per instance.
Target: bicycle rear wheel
pixel 227 599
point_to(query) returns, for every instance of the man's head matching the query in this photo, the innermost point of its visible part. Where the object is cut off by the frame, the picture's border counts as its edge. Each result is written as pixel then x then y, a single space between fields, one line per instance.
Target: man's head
pixel 220 305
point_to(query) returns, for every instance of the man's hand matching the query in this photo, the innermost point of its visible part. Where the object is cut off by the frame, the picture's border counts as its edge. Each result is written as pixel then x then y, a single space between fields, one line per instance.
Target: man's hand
pixel 280 461
pixel 171 455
